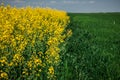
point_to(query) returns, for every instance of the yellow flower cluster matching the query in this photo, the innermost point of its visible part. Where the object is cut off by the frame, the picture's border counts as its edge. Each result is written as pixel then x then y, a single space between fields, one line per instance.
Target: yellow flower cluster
pixel 3 75
pixel 18 59
pixel 29 39
pixel 51 72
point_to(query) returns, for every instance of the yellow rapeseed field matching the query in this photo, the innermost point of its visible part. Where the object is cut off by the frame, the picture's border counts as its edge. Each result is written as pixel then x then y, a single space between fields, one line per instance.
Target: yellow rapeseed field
pixel 29 39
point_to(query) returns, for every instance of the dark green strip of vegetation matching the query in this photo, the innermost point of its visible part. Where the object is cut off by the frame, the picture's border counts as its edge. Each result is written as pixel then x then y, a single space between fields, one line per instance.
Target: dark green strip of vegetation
pixel 93 50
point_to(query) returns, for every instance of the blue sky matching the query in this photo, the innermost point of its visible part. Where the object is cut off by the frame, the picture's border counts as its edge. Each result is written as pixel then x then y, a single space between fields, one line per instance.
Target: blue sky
pixel 70 5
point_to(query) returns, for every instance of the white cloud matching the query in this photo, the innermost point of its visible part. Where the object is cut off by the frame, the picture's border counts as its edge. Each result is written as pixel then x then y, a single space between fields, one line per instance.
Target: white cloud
pixel 52 2
pixel 70 2
pixel 87 2
pixel 91 2
pixel 18 1
pixel 84 2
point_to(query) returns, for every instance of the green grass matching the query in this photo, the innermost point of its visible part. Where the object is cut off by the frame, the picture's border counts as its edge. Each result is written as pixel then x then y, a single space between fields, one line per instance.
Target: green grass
pixel 93 50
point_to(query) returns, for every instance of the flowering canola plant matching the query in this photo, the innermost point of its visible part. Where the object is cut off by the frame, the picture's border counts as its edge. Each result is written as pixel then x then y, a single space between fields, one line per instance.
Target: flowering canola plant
pixel 29 40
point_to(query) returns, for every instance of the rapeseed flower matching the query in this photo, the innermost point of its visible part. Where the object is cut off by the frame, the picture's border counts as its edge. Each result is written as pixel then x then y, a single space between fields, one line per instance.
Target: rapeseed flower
pixel 3 76
pixel 31 36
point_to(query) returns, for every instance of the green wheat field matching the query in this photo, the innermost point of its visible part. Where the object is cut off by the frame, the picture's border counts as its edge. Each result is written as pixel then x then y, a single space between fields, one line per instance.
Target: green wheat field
pixel 93 50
